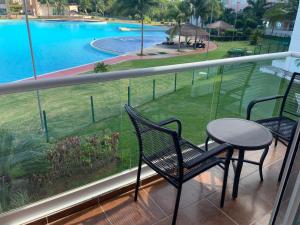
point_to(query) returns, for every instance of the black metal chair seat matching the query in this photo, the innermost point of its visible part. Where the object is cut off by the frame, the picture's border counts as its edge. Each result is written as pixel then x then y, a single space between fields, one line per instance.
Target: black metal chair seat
pixel 193 162
pixel 280 126
pixel 171 156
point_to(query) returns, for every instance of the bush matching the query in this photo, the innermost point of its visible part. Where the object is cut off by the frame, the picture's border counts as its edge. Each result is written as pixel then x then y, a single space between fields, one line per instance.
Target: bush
pixel 100 67
pixel 229 32
pixel 147 19
pixel 228 38
pixel 75 154
pixel 254 37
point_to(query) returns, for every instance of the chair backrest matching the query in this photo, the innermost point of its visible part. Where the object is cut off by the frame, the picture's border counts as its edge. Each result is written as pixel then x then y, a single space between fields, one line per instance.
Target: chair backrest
pixel 291 100
pixel 158 145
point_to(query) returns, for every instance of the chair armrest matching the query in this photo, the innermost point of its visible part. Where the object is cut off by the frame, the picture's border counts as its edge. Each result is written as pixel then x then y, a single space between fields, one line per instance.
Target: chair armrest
pixel 208 154
pixel 254 102
pixel 172 120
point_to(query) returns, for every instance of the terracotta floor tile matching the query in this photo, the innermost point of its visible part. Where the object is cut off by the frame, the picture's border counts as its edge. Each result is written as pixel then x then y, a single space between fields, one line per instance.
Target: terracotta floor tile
pixel 200 213
pixel 124 210
pixel 264 220
pixel 274 154
pixel 90 216
pixel 164 194
pixel 246 208
pixel 269 187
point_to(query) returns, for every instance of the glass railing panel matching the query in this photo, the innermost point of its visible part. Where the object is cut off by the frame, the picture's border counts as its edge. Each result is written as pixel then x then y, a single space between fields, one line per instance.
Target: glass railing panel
pixel 67 150
pixel 242 83
pixel 22 150
pixel 141 90
pixel 191 101
pixel 165 84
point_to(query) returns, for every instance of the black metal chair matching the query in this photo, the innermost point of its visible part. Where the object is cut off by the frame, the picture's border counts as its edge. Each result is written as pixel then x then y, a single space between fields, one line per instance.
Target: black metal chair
pixel 171 156
pixel 284 125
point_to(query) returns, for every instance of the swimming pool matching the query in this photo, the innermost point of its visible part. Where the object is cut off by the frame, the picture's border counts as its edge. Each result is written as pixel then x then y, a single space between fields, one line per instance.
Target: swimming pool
pixel 57 45
pixel 123 45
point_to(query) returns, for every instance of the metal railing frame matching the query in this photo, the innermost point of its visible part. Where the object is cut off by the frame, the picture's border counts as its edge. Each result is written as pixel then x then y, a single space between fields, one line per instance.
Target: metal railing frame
pixel 32 85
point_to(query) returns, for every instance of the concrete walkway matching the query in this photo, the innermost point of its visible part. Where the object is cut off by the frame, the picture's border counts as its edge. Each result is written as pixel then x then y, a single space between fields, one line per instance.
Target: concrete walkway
pixel 123 58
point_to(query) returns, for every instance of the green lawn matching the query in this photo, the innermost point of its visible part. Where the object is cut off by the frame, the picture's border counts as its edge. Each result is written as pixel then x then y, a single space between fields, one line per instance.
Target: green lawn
pixel 219 53
pixel 199 96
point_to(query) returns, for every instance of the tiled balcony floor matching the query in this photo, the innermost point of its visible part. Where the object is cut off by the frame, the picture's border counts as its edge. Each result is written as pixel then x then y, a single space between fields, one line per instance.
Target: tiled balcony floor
pixel 199 201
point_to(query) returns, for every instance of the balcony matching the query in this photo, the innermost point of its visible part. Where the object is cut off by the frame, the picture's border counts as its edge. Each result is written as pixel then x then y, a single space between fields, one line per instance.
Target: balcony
pixel 199 203
pixel 80 147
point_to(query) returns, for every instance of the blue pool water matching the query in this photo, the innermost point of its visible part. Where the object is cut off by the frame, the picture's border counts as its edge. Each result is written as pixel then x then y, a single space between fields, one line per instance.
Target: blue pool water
pixel 122 45
pixel 57 45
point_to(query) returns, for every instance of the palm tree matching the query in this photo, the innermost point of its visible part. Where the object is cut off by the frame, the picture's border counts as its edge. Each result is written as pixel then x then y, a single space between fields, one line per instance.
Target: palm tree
pixel 60 6
pixel 84 6
pixel 200 10
pixel 140 8
pixel 292 8
pixel 215 9
pixel 257 9
pixel 276 13
pixel 180 12
pixel 48 4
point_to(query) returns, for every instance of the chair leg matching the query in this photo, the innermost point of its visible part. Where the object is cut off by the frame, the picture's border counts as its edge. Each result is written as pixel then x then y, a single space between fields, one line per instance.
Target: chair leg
pixel 206 143
pixel 233 166
pixel 137 185
pixel 276 141
pixel 226 169
pixel 177 204
pixel 284 163
pixel 261 163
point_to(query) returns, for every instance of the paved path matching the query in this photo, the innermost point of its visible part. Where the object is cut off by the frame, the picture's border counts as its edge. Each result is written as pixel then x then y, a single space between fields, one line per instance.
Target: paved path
pixel 115 60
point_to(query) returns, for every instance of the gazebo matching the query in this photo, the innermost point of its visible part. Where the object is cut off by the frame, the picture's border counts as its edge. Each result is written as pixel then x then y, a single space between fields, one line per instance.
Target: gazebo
pixel 189 30
pixel 220 25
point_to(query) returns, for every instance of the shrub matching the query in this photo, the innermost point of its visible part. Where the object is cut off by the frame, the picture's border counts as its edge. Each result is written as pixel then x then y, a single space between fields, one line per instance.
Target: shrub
pixel 100 67
pixel 147 19
pixel 75 154
pixel 254 37
pixel 229 32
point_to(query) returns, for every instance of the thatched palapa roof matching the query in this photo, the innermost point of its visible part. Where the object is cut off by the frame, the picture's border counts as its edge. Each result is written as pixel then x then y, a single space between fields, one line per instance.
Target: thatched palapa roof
pixel 189 30
pixel 220 25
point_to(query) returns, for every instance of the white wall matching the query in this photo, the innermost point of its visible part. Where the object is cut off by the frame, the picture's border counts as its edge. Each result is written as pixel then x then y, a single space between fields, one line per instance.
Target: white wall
pixel 295 41
pixel 292 64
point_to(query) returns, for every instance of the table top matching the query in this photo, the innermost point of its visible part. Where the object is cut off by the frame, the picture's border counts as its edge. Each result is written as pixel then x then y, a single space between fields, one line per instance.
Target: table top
pixel 240 133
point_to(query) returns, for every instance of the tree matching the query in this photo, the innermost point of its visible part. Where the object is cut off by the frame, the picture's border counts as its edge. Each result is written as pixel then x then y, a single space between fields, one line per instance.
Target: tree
pixel 180 12
pixel 14 7
pixel 256 9
pixel 85 6
pixel 292 8
pixel 102 7
pixel 214 10
pixel 276 13
pixel 139 8
pixel 60 6
pixel 228 15
pixel 161 13
pixel 200 10
pixel 48 3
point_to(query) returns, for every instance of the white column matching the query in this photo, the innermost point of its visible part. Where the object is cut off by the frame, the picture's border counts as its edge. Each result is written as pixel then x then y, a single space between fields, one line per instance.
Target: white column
pixel 295 40
pixel 292 64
